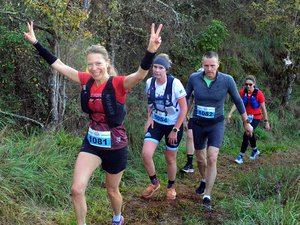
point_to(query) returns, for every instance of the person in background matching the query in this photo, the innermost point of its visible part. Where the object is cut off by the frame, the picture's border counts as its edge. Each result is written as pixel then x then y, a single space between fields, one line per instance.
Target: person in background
pixel 167 110
pixel 190 149
pixel 187 124
pixel 106 142
pixel 210 88
pixel 254 102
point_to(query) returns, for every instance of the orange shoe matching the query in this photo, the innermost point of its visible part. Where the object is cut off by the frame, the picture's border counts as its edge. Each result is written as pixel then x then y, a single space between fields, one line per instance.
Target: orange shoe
pixel 171 193
pixel 149 191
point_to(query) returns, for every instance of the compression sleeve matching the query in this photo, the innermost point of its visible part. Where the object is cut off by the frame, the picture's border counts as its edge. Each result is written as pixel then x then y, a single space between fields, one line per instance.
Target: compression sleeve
pixel 48 56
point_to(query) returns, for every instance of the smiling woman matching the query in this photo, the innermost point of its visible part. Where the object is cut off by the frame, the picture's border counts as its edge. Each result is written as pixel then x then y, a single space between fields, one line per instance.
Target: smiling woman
pixel 106 143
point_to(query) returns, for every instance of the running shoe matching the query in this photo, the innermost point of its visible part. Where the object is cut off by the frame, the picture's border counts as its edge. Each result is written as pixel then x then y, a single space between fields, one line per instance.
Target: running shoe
pixel 239 159
pixel 171 193
pixel 200 190
pixel 254 154
pixel 206 204
pixel 121 222
pixel 188 168
pixel 149 191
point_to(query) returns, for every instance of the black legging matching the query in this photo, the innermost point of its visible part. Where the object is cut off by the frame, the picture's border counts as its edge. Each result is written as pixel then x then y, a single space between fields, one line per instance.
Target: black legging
pixel 247 139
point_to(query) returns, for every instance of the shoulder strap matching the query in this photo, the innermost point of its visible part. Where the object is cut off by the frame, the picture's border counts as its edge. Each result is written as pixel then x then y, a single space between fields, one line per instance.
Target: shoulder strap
pixel 151 97
pixel 245 92
pixel 254 93
pixel 168 91
pixel 85 95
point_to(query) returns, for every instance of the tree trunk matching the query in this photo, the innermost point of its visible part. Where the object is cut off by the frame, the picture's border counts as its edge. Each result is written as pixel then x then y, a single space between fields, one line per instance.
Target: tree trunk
pixel 289 88
pixel 57 85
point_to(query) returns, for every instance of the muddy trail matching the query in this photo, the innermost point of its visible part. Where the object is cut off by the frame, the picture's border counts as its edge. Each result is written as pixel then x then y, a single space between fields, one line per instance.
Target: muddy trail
pixel 159 211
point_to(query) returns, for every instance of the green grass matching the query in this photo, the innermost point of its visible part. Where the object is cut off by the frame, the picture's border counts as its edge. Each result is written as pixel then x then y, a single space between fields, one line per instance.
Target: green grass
pixel 36 171
pixel 267 196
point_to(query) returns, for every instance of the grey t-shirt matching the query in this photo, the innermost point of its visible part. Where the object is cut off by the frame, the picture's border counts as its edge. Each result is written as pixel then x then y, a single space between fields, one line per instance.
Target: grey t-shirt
pixel 209 101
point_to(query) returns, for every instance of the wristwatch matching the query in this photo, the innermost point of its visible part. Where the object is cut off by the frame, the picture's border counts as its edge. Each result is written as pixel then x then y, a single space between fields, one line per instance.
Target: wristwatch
pixel 175 129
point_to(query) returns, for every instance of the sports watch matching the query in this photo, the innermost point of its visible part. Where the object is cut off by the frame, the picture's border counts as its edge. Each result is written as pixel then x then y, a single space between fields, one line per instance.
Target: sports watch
pixel 175 129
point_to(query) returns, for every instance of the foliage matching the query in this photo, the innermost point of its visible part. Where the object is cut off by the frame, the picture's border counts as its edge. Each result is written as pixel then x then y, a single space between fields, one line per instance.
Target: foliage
pixel 213 37
pixel 18 86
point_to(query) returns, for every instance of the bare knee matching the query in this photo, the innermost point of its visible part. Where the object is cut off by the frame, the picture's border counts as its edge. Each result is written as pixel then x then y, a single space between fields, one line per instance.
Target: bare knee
pixel 113 193
pixel 170 160
pixel 146 156
pixel 78 190
pixel 201 158
pixel 211 161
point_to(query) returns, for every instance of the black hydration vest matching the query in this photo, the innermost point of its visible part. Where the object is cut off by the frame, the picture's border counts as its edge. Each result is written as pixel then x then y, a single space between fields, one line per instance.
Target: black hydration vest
pixel 114 111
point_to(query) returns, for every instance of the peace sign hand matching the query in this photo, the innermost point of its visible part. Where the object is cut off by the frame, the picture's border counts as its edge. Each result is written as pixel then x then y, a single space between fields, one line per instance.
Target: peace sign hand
pixel 30 36
pixel 155 38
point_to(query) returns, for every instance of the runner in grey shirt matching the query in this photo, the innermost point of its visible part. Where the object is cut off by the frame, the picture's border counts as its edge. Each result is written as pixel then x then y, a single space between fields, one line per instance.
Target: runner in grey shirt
pixel 210 89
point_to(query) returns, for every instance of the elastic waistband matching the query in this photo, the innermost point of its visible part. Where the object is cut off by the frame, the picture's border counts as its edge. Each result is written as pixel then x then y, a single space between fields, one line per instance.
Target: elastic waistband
pixel 207 122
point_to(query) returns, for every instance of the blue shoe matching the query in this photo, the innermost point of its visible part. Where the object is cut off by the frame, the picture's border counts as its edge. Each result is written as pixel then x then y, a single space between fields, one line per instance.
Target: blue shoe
pixel 121 222
pixel 254 154
pixel 239 159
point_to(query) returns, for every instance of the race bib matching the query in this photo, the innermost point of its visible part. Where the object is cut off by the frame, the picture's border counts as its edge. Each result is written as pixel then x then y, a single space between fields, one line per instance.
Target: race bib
pixel 207 112
pixel 160 117
pixel 99 138
pixel 250 118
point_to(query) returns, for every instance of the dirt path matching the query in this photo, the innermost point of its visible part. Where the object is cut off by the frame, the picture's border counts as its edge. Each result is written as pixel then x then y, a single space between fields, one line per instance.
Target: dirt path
pixel 159 211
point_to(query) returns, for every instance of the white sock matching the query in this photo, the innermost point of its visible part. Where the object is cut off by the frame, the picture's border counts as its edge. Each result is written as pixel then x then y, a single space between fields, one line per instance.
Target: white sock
pixel 117 218
pixel 203 180
pixel 206 196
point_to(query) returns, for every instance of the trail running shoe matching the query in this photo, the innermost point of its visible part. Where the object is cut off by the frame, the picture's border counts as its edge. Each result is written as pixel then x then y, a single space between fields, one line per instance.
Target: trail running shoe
pixel 239 159
pixel 171 193
pixel 149 191
pixel 121 222
pixel 254 155
pixel 200 190
pixel 206 204
pixel 188 168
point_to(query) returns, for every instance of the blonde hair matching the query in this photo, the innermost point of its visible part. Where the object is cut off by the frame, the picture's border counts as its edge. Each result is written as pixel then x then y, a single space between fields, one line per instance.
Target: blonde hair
pixel 99 49
pixel 251 77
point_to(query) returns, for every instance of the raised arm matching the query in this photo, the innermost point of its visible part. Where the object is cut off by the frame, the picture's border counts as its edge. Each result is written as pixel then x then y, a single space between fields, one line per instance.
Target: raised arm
pixel 52 60
pixel 154 43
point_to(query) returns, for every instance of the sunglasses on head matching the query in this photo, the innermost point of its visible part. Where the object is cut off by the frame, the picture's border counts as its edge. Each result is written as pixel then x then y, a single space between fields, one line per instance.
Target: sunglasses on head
pixel 247 84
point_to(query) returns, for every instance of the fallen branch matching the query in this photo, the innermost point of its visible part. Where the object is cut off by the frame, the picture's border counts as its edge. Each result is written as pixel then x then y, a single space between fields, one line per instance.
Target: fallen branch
pixel 22 117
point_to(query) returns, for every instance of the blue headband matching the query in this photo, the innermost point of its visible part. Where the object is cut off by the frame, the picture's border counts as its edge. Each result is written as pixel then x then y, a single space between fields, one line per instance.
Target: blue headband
pixel 162 61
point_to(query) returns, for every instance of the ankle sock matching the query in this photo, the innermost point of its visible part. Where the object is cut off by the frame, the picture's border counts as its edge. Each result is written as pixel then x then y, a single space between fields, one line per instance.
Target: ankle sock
pixel 153 179
pixel 117 218
pixel 170 183
pixel 206 196
pixel 190 159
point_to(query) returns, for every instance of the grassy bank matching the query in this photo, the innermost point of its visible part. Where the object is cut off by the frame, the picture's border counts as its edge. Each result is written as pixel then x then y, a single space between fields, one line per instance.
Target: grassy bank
pixel 36 173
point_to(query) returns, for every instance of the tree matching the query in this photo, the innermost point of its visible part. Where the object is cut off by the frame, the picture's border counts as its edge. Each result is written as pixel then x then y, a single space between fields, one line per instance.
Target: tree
pixel 62 21
pixel 280 19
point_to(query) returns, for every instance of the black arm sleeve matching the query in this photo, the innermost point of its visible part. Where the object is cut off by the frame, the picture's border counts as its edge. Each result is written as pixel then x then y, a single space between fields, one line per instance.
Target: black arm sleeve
pixel 48 56
pixel 147 60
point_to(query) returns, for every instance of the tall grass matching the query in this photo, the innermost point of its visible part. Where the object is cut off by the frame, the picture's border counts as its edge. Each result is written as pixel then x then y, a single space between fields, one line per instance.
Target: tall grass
pixel 267 196
pixel 36 170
